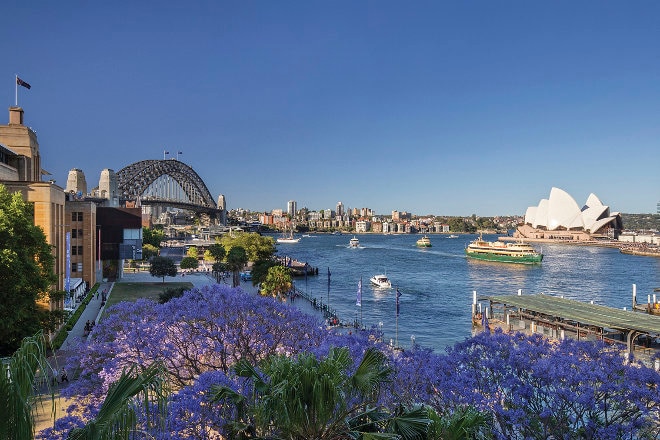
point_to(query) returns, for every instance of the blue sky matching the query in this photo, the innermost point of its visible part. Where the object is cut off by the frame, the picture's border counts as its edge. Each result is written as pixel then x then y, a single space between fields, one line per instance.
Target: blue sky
pixel 446 108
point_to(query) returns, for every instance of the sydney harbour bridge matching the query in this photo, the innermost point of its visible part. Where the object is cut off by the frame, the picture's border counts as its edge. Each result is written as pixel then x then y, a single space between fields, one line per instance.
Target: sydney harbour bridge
pixel 166 183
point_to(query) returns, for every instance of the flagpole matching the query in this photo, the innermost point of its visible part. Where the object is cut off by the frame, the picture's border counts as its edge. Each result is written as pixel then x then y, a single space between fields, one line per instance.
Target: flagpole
pixel 16 91
pixel 396 302
pixel 360 302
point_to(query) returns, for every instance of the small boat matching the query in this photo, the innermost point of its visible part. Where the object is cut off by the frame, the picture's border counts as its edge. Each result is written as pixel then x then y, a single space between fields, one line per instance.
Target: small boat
pixel 424 242
pixel 519 252
pixel 380 281
pixel 354 242
pixel 453 236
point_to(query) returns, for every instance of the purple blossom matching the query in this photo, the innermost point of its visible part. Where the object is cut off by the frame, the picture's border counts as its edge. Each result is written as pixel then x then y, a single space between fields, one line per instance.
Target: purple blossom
pixel 530 386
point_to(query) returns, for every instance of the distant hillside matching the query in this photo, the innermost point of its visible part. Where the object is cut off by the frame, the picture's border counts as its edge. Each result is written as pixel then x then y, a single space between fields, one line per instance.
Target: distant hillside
pixel 638 222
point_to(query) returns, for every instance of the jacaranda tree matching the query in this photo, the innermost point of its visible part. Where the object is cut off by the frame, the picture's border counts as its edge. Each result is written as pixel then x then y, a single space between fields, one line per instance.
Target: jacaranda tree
pixel 509 386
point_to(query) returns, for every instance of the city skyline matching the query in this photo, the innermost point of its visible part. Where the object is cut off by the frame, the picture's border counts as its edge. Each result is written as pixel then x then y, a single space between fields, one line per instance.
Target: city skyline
pixel 430 108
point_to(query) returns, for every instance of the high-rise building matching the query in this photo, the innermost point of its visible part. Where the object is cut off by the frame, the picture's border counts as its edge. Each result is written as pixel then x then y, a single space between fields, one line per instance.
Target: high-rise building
pixel 340 209
pixel 291 208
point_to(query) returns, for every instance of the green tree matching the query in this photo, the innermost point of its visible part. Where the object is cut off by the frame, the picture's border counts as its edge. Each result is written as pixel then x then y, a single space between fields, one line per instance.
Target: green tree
pixel 189 263
pixel 260 270
pixel 236 260
pixel 217 252
pixel 152 236
pixel 148 251
pixel 26 271
pixel 308 398
pixel 277 283
pixel 192 252
pixel 257 247
pixel 162 267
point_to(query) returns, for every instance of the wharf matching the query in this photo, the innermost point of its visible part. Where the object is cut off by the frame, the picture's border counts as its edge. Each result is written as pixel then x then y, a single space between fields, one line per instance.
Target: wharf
pixel 558 318
pixel 298 268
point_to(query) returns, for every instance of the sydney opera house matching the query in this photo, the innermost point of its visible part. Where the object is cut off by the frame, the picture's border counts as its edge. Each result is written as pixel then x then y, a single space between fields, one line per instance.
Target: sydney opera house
pixel 559 217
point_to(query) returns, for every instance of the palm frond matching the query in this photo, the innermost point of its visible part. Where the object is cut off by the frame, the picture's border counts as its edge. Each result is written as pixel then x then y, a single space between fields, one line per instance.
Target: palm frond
pixel 372 371
pixel 17 387
pixel 410 424
pixel 117 417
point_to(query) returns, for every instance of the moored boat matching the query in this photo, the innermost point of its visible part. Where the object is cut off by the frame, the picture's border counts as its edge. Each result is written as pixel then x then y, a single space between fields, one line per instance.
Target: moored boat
pixel 424 242
pixel 518 252
pixel 354 242
pixel 380 281
pixel 288 238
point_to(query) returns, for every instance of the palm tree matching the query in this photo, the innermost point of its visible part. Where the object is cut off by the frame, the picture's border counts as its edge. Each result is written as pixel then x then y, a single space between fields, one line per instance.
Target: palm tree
pixel 307 398
pixel 236 260
pixel 462 424
pixel 117 418
pixel 18 380
pixel 278 282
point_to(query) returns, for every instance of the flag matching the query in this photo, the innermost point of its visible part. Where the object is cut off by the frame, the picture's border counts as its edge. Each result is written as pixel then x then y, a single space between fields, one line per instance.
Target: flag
pixel 180 152
pixel 359 294
pixel 398 294
pixel 20 82
pixel 166 152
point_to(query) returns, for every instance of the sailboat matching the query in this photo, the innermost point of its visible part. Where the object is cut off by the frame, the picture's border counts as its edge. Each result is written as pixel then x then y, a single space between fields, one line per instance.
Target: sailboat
pixel 288 238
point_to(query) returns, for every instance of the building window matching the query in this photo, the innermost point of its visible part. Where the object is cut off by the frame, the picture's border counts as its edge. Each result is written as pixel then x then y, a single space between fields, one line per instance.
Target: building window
pixel 76 233
pixel 76 250
pixel 74 267
pixel 76 216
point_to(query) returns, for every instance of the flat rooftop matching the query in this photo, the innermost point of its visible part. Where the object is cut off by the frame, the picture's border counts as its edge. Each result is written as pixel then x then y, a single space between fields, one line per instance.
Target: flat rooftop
pixel 583 313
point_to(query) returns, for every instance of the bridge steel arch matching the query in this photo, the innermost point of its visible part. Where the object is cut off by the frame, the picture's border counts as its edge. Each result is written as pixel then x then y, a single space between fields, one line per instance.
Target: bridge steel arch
pixel 135 179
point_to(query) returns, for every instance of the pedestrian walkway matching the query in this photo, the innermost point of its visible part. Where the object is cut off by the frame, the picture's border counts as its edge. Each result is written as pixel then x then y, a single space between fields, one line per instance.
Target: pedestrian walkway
pixel 91 313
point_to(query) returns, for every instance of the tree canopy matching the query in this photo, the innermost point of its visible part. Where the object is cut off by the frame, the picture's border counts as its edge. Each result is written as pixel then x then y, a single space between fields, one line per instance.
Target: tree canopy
pixel 152 236
pixel 277 282
pixel 217 337
pixel 162 267
pixel 26 271
pixel 189 263
pixel 257 247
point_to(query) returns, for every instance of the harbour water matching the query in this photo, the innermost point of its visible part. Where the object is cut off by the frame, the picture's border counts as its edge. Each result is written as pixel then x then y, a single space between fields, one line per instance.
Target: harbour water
pixel 436 283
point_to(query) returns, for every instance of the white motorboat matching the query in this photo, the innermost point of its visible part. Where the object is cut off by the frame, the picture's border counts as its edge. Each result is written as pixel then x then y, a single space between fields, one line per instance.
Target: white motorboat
pixel 354 242
pixel 380 281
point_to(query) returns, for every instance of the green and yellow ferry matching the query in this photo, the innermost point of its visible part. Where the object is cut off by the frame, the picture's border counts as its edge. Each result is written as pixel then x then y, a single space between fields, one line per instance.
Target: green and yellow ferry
pixel 521 253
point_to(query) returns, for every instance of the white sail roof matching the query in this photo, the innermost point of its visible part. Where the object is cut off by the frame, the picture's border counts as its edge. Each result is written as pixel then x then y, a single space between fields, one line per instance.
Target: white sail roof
pixel 560 211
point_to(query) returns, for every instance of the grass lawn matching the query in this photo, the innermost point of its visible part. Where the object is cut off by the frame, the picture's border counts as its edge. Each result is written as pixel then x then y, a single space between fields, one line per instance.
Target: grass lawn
pixel 132 291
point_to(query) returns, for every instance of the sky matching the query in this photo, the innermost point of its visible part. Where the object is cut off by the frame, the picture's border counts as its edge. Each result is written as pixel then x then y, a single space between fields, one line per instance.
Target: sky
pixel 430 107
